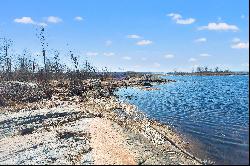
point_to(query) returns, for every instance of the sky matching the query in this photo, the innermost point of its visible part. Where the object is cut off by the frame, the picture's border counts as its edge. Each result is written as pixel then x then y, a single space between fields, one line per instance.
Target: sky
pixel 134 35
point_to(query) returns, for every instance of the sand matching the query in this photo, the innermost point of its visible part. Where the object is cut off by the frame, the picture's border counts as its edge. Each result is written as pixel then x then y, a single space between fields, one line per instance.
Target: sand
pixel 86 133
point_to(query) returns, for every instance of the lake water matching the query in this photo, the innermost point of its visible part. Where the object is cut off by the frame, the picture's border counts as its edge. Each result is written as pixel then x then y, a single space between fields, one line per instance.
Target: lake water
pixel 213 110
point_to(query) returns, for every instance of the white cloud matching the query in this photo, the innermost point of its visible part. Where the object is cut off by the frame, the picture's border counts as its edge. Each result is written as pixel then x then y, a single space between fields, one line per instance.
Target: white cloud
pixel 237 44
pixel 78 18
pixel 179 20
pixel 187 21
pixel 236 40
pixel 42 24
pixel 133 36
pixel 205 55
pixel 108 42
pixel 200 40
pixel 92 53
pixel 53 19
pixel 156 64
pixel 108 54
pixel 24 20
pixel 144 42
pixel 29 20
pixel 126 58
pixel 169 56
pixel 175 16
pixel 192 60
pixel 219 27
pixel 241 45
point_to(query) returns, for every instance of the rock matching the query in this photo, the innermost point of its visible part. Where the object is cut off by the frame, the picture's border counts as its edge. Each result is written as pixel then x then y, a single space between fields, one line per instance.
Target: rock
pixel 2 102
pixel 26 131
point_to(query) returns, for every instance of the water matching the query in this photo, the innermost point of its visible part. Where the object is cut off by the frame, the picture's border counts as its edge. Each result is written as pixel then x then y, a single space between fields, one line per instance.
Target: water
pixel 212 109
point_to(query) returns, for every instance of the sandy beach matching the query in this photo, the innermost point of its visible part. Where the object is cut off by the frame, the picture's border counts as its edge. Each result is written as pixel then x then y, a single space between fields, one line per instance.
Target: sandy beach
pixel 97 130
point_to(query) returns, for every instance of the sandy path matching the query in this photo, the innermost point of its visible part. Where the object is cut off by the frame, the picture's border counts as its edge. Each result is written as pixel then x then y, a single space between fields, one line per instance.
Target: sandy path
pixel 108 145
pixel 73 134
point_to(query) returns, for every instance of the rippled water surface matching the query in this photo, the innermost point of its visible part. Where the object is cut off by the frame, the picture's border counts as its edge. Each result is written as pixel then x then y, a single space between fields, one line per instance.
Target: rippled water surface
pixel 212 109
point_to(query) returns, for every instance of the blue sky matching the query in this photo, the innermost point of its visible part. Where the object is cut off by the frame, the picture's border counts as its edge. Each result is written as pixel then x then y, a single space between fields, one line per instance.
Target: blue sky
pixel 139 35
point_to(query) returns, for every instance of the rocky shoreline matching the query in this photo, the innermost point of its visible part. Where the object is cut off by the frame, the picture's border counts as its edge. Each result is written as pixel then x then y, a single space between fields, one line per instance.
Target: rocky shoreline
pixel 85 124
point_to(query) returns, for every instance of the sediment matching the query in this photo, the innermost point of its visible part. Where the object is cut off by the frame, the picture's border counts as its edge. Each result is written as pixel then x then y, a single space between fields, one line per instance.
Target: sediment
pixel 84 124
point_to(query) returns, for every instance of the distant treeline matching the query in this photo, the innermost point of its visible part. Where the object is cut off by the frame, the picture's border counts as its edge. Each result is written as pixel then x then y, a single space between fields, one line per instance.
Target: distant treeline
pixel 209 71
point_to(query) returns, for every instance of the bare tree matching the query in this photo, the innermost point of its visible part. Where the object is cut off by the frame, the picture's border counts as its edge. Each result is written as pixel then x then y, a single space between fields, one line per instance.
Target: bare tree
pixel 89 70
pixel 216 69
pixel 5 56
pixel 42 37
pixel 205 69
pixel 25 66
pixel 198 69
pixel 74 59
pixel 56 59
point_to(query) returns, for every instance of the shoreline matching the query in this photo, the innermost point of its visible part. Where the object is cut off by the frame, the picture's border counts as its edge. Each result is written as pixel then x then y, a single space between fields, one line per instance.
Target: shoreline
pixel 210 74
pixel 141 140
pixel 170 134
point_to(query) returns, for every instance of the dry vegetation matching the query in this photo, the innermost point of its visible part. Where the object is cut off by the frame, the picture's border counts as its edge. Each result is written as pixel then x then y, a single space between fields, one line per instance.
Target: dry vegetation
pixel 51 114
